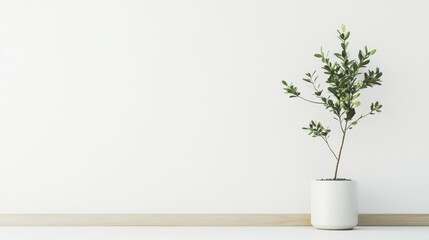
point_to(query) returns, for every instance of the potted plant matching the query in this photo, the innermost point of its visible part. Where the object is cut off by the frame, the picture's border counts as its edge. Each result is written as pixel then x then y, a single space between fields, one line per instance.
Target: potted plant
pixel 334 200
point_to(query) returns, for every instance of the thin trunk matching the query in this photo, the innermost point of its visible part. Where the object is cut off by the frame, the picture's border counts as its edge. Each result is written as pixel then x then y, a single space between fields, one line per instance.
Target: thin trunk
pixel 339 154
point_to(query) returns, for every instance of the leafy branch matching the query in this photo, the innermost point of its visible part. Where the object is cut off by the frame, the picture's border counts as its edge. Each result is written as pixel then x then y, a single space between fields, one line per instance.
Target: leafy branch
pixel 343 86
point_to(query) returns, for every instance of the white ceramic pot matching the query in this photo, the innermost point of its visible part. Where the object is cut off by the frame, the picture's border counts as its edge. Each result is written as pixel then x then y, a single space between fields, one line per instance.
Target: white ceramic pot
pixel 334 204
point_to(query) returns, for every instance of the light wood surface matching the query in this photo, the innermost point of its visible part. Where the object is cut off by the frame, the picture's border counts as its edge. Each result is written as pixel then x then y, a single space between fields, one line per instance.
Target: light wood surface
pixel 394 219
pixel 198 220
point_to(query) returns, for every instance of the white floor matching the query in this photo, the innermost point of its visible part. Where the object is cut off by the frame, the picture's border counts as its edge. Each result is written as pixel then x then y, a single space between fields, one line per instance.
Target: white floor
pixel 218 233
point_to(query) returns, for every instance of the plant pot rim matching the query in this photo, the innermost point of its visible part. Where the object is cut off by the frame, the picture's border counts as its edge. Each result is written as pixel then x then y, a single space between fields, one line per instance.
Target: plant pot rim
pixel 343 180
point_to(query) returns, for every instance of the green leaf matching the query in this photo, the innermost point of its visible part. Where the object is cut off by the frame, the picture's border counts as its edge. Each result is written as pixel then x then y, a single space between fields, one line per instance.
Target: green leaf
pixel 333 90
pixel 347 36
pixel 343 27
pixel 338 56
pixel 318 55
pixel 350 114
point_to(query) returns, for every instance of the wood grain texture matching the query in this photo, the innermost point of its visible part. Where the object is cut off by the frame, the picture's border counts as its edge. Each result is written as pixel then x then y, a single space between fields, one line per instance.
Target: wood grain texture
pixel 154 220
pixel 199 220
pixel 393 219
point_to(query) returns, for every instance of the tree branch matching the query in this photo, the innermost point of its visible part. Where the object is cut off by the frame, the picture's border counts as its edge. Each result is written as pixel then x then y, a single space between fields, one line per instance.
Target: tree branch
pixel 360 118
pixel 340 151
pixel 310 100
pixel 329 146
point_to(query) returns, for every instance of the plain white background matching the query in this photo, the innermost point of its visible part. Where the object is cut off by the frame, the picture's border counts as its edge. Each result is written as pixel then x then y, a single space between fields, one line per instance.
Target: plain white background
pixel 178 107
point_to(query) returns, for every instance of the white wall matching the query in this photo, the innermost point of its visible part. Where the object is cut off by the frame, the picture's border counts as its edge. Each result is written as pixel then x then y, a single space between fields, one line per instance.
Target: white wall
pixel 177 106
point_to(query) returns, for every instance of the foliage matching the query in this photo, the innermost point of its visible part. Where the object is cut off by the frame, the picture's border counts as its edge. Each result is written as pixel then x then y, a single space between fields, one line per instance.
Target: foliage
pixel 346 78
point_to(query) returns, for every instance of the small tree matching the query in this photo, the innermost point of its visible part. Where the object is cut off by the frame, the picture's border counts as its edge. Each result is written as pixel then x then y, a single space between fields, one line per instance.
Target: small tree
pixel 341 96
